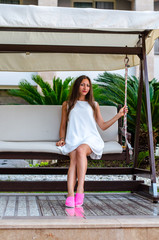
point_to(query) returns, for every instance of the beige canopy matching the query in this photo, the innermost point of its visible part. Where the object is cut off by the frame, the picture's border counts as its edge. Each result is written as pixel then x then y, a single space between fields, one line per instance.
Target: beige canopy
pixel 35 38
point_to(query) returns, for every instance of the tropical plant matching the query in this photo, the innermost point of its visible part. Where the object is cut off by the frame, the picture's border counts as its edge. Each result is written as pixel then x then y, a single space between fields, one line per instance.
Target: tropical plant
pixel 54 95
pixel 42 164
pixel 110 90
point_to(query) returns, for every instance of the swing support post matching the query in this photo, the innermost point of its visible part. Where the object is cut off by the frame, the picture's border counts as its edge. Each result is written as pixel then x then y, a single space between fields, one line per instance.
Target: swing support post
pixel 153 189
pixel 138 116
pixel 144 82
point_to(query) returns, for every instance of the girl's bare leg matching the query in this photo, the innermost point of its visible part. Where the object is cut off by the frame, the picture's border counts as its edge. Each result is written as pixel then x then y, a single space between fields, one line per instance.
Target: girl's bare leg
pixel 72 174
pixel 81 155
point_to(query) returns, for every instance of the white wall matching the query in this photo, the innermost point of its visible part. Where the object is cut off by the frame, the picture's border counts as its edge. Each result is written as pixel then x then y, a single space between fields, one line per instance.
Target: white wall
pixel 47 3
pixel 13 78
pixel 92 74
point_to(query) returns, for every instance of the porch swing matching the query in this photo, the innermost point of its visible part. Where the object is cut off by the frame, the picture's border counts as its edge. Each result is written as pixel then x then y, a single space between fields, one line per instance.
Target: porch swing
pixel 84 39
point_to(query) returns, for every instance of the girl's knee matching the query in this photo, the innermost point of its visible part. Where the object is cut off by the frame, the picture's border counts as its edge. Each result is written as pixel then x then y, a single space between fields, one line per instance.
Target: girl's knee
pixel 81 151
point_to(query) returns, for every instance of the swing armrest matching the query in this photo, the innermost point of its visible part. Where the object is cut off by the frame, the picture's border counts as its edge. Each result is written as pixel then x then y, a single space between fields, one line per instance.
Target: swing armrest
pixel 123 134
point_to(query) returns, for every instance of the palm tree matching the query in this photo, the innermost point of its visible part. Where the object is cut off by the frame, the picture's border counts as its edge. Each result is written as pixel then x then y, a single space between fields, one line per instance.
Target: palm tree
pixel 55 95
pixel 111 91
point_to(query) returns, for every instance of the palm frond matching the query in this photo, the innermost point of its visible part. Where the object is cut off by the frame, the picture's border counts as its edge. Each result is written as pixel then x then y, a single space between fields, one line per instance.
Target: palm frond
pixel 55 95
pixel 112 90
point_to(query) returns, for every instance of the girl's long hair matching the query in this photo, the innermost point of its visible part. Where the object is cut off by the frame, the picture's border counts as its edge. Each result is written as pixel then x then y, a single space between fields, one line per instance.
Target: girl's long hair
pixel 74 96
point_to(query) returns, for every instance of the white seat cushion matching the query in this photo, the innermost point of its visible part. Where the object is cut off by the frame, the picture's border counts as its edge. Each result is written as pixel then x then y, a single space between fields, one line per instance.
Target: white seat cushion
pixel 112 147
pixel 50 147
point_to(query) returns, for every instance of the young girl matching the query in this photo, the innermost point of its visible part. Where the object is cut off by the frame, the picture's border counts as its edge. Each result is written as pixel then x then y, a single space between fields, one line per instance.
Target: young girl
pixel 79 136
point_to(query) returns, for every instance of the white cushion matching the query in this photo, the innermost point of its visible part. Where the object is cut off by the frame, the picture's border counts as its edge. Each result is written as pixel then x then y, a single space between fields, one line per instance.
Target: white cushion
pixel 50 147
pixel 111 134
pixel 29 122
pixel 42 123
pixel 112 147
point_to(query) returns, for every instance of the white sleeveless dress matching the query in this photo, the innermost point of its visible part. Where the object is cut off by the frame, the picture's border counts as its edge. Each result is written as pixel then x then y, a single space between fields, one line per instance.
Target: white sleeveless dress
pixel 82 129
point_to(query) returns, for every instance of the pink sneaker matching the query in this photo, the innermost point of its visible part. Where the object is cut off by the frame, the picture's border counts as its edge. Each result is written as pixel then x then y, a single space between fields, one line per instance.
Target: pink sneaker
pixel 79 199
pixel 70 202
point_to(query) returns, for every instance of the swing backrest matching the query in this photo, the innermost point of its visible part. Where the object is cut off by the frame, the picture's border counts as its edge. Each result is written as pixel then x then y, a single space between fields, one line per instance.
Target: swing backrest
pixel 42 123
pixel 111 134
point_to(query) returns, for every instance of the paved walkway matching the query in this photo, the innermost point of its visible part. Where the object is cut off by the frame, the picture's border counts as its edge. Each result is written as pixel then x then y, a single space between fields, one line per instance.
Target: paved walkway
pixel 95 205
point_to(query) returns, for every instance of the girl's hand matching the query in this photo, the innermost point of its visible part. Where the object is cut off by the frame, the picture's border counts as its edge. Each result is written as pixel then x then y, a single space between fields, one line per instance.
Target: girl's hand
pixel 61 143
pixel 123 111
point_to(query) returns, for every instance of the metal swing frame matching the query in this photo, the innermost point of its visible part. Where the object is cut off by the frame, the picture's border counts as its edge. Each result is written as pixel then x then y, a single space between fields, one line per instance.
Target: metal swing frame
pixel 136 186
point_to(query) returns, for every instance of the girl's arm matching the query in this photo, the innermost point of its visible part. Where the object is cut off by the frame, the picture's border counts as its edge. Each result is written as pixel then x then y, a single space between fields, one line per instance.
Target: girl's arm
pixel 104 125
pixel 63 125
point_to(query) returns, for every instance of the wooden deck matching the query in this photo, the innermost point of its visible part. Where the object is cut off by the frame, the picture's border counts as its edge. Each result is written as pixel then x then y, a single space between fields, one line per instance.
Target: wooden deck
pixel 103 217
pixel 95 205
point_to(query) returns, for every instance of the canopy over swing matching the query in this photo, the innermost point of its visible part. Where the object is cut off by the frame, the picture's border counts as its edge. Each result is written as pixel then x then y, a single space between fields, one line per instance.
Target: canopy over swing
pixel 39 38
pixel 34 38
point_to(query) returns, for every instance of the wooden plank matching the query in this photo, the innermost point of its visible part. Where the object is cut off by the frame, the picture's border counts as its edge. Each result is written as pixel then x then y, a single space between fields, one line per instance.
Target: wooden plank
pixel 44 206
pixel 11 206
pixel 118 203
pixel 140 205
pixel 24 29
pixel 31 186
pixel 52 156
pixel 64 170
pixel 121 206
pixel 148 196
pixel 28 210
pixel 34 207
pixel 142 172
pixel 108 205
pixel 3 205
pixel 130 206
pixel 20 48
pixel 55 205
pixel 110 171
pixel 22 207
pixel 112 185
pixel 93 204
pixel 32 155
pixel 144 190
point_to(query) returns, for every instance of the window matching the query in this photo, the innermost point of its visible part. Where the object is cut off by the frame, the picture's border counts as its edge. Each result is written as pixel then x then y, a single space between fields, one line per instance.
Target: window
pixel 28 2
pixel 105 5
pixel 83 5
pixel 156 47
pixel 10 1
pixel 156 5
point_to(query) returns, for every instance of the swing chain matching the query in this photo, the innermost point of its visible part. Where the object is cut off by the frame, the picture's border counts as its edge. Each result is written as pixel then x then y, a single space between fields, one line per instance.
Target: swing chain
pixel 126 61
